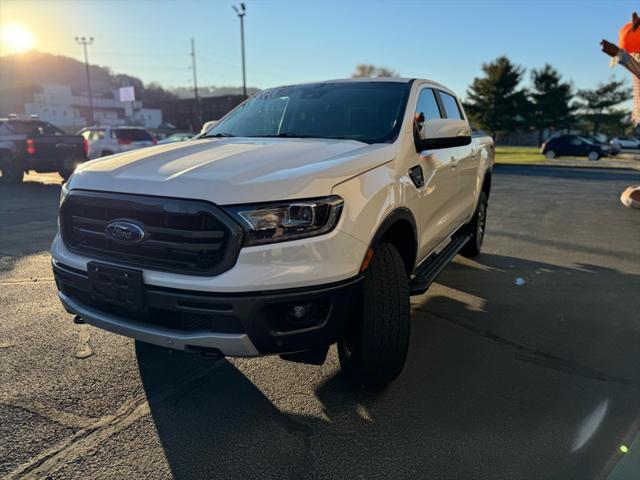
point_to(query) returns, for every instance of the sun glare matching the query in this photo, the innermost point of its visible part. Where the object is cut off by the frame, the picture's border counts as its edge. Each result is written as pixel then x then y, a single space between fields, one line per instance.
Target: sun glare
pixel 15 38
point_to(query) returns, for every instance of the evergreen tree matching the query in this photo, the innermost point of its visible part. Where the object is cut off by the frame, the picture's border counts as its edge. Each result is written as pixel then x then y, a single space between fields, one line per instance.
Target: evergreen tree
pixel 550 98
pixel 495 101
pixel 597 106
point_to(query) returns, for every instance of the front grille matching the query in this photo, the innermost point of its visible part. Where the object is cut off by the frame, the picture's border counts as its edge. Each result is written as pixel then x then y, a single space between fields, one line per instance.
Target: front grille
pixel 181 236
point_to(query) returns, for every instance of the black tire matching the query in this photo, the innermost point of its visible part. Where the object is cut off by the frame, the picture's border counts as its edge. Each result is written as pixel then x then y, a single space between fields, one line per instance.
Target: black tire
pixel 11 170
pixel 374 345
pixel 477 227
pixel 67 170
pixel 106 153
pixel 65 173
pixel 593 155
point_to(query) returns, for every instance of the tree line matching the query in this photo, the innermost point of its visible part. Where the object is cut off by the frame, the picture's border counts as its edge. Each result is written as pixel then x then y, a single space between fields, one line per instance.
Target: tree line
pixel 498 102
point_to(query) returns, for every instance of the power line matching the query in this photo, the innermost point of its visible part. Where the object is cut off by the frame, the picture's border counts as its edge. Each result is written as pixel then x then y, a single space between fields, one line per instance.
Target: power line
pixel 153 55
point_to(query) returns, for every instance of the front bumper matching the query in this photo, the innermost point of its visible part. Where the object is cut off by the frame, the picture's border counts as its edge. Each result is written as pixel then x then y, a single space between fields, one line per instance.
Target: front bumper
pixel 235 324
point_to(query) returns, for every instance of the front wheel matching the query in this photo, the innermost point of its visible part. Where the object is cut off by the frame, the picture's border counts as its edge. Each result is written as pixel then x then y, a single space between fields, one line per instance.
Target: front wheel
pixel 550 154
pixel 374 345
pixel 593 156
pixel 477 227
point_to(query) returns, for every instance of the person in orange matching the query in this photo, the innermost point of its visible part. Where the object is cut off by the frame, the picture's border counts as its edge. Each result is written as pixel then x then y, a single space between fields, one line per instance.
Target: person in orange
pixel 628 55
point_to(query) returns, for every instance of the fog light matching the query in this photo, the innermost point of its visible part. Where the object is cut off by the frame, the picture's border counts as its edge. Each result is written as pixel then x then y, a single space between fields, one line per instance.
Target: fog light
pixel 298 311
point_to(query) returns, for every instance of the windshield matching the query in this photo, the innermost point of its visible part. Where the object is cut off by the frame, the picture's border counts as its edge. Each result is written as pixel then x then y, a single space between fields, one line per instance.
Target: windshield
pixel 587 140
pixel 369 112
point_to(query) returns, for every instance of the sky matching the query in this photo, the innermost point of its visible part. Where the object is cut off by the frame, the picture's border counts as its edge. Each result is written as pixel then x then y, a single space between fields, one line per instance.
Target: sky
pixel 308 40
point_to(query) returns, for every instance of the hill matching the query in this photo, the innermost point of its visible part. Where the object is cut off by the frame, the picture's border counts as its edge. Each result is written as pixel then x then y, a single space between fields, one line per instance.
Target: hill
pixel 38 68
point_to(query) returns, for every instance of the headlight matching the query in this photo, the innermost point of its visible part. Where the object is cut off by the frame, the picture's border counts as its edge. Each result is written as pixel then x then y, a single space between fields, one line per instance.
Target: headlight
pixel 64 191
pixel 292 220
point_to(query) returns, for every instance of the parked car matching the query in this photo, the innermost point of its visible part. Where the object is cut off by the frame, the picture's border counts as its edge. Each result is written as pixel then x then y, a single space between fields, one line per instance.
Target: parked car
pixel 626 142
pixel 574 146
pixel 176 137
pixel 31 144
pixel 310 219
pixel 108 140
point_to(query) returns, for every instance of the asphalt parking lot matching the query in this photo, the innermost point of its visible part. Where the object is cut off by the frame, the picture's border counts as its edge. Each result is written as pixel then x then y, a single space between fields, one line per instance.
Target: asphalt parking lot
pixel 523 364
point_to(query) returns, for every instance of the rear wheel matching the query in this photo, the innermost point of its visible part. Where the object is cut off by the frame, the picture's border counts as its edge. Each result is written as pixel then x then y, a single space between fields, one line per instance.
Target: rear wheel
pixel 593 156
pixel 106 153
pixel 374 345
pixel 12 171
pixel 67 170
pixel 65 173
pixel 477 227
pixel 550 154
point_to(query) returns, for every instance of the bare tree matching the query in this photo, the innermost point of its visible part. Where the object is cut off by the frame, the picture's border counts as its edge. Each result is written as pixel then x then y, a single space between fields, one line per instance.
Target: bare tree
pixel 366 70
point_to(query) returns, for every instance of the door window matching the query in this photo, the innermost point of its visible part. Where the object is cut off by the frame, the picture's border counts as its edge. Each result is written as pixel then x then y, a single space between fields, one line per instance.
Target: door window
pixel 451 107
pixel 96 135
pixel 426 109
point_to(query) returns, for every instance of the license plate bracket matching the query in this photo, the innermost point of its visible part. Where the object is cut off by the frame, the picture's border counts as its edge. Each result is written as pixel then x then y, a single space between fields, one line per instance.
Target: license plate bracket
pixel 122 287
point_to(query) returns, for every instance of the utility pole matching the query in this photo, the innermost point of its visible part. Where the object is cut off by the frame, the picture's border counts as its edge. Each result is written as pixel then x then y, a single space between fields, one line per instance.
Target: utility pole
pixel 195 82
pixel 241 12
pixel 84 42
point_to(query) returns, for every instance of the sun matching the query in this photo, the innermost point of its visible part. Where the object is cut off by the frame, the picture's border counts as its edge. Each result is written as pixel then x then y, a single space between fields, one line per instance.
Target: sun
pixel 15 38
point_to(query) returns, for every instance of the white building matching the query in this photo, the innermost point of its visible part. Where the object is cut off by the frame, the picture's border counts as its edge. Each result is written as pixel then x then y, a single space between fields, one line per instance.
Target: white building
pixel 60 106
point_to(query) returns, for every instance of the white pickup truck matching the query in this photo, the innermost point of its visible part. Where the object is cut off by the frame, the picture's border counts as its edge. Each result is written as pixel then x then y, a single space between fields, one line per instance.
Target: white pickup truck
pixel 307 216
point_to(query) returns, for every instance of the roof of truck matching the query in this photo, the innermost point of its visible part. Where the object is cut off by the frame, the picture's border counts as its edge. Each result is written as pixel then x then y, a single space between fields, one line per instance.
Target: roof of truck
pixel 371 79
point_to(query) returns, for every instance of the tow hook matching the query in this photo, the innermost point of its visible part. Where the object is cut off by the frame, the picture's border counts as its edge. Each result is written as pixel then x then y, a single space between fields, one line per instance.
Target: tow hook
pixel 206 352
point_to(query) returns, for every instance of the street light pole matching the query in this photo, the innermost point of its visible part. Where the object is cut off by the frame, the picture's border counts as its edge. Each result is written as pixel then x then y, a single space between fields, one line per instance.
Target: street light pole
pixel 84 42
pixel 241 12
pixel 196 96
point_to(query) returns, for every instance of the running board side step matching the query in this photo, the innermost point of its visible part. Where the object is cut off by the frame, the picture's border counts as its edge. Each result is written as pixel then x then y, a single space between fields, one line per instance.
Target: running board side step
pixel 428 270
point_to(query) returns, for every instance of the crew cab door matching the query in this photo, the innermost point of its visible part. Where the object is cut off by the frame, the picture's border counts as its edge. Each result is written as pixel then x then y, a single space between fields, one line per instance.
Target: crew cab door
pixel 437 209
pixel 465 163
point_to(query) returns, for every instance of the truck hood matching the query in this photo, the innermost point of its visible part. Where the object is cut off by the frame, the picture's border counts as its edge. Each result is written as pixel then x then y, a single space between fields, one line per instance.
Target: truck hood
pixel 234 170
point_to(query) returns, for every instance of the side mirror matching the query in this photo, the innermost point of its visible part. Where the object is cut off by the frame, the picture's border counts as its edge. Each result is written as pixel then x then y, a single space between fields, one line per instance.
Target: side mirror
pixel 443 133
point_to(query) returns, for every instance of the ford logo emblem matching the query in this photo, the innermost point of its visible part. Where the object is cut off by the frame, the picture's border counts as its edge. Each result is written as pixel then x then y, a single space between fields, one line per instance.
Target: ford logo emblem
pixel 124 231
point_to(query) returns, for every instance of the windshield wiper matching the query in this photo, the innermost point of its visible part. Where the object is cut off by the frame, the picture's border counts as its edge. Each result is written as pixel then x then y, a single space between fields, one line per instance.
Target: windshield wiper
pixel 218 135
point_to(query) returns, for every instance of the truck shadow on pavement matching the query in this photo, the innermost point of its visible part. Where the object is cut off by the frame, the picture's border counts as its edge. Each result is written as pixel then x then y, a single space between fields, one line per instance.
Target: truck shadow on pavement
pixel 501 374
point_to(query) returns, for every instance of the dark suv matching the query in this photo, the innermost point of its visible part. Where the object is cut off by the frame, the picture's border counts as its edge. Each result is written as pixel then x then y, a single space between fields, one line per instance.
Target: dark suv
pixel 574 146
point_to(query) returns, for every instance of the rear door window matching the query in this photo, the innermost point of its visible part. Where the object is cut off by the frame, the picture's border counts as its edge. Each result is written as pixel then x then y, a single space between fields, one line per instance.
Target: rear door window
pixel 133 134
pixel 48 129
pixel 24 127
pixel 450 105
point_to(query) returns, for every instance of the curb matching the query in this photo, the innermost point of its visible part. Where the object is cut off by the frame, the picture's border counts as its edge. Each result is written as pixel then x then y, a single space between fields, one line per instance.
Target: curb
pixel 590 166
